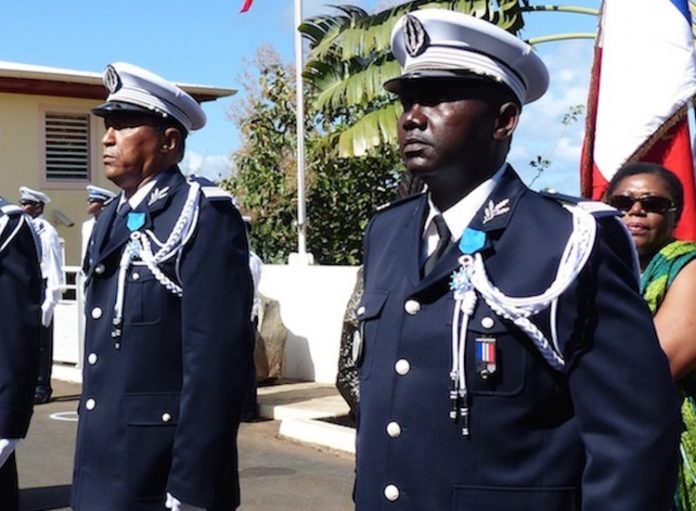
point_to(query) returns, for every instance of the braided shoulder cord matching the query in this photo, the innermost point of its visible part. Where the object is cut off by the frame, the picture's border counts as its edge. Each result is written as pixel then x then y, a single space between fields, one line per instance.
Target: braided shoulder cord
pixel 519 309
pixel 174 242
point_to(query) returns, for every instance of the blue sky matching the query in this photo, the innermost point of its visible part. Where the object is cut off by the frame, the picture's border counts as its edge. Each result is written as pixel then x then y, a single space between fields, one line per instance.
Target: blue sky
pixel 209 42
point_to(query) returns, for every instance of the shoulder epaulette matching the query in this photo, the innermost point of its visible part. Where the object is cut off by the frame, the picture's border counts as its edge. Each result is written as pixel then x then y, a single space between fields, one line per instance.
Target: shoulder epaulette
pixel 213 192
pixel 109 200
pixel 595 208
pixel 393 204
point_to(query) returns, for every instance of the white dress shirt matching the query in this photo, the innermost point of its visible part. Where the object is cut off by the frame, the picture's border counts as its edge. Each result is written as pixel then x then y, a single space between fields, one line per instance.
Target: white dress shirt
pixel 459 216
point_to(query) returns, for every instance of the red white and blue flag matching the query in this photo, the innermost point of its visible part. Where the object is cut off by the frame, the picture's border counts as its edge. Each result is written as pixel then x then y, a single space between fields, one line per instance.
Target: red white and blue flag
pixel 643 79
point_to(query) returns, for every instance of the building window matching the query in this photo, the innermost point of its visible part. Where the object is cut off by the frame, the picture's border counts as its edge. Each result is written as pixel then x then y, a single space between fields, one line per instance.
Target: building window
pixel 67 146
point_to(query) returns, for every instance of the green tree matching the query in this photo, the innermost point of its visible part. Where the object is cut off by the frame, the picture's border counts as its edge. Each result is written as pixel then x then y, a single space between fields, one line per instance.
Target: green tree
pixel 342 194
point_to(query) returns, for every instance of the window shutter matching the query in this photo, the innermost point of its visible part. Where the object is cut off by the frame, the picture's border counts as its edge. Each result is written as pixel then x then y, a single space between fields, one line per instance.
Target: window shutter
pixel 67 147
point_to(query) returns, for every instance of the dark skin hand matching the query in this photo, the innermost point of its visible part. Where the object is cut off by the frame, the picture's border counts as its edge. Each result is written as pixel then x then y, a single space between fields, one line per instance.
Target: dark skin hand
pixel 455 134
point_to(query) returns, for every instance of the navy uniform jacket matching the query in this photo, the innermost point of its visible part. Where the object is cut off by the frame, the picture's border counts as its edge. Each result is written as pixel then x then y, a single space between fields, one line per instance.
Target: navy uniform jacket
pixel 160 413
pixel 601 435
pixel 20 320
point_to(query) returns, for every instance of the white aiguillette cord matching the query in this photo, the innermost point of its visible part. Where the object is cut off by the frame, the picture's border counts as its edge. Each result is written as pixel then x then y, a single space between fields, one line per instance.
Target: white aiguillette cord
pixel 139 247
pixel 471 278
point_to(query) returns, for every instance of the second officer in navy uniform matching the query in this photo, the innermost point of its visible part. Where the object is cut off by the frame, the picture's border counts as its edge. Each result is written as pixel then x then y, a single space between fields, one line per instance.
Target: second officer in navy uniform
pixel 168 341
pixel 507 361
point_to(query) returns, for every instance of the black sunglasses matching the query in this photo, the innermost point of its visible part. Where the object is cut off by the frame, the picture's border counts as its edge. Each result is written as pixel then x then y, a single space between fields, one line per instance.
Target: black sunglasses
pixel 648 203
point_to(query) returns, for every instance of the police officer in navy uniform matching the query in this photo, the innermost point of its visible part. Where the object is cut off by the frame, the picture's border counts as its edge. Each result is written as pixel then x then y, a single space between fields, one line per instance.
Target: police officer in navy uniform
pixel 507 361
pixel 20 330
pixel 168 341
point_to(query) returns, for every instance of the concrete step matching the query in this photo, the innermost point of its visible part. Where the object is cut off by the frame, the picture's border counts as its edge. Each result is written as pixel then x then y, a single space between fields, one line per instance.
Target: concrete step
pixel 299 406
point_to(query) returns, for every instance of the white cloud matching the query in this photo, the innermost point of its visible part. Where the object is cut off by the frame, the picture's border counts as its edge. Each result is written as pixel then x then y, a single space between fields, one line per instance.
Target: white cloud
pixel 213 167
pixel 541 131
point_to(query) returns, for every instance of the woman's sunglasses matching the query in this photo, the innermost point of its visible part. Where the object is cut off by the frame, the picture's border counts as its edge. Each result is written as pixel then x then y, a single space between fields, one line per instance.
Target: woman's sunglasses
pixel 648 203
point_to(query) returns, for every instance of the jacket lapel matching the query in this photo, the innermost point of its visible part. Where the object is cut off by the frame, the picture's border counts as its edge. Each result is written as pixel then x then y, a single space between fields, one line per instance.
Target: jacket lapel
pixel 411 238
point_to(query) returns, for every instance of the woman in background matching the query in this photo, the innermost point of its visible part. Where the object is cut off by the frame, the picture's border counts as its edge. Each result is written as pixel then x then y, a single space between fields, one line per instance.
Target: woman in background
pixel 650 198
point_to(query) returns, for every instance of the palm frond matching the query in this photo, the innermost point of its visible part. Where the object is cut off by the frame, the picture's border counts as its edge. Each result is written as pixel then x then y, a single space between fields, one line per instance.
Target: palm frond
pixel 356 88
pixel 377 127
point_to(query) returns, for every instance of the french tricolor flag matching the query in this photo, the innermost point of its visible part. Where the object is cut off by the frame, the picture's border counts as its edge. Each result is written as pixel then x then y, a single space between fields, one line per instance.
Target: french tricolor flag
pixel 643 79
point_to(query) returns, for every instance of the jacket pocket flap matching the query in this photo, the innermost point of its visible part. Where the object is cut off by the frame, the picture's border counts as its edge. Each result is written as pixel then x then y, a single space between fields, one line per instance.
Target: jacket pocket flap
pixel 151 409
pixel 371 305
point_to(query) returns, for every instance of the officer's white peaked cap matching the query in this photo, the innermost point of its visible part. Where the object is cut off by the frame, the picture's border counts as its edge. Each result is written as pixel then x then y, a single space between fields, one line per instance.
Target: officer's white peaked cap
pixel 438 43
pixel 132 88
pixel 98 193
pixel 27 194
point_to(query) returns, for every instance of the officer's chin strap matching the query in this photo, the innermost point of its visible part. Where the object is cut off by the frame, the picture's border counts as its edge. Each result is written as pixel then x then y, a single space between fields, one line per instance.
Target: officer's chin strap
pixel 140 247
pixel 471 278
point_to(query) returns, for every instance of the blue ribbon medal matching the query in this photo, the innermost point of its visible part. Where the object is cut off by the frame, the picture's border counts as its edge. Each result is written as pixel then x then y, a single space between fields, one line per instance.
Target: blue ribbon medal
pixel 135 220
pixel 472 240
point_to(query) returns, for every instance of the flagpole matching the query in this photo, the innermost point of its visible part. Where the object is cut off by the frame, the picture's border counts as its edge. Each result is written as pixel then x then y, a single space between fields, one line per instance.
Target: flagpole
pixel 301 211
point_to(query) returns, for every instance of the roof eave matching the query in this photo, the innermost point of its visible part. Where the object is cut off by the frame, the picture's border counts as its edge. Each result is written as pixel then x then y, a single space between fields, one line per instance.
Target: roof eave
pixel 46 81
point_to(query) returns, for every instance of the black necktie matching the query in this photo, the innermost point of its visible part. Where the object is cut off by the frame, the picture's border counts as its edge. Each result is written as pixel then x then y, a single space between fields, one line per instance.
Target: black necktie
pixel 118 227
pixel 442 244
pixel 123 209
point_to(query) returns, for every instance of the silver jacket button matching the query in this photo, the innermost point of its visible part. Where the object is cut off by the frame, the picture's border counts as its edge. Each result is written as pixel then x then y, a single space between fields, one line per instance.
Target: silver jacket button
pixel 393 429
pixel 402 366
pixel 412 307
pixel 487 322
pixel 391 492
pixel 90 404
pixel 96 313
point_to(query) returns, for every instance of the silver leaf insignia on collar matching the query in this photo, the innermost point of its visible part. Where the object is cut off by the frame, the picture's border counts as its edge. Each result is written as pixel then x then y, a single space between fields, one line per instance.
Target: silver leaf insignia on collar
pixel 157 194
pixel 494 210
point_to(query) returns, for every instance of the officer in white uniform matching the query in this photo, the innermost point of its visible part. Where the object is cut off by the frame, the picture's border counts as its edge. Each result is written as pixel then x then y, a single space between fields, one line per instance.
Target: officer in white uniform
pixel 96 198
pixel 33 202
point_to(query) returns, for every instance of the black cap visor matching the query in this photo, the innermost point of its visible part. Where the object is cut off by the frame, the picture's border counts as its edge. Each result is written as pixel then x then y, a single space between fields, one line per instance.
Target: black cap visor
pixel 395 85
pixel 116 107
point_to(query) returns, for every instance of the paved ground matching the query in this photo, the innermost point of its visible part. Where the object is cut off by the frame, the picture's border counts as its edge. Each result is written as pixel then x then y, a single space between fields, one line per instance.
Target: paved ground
pixel 276 474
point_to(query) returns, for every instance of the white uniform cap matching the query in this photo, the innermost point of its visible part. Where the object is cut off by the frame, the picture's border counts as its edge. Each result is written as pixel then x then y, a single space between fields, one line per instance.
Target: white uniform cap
pixel 132 88
pixel 97 193
pixel 438 43
pixel 27 194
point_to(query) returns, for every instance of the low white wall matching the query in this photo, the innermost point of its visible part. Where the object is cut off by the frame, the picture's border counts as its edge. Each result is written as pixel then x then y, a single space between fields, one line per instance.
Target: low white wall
pixel 312 304
pixel 312 301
